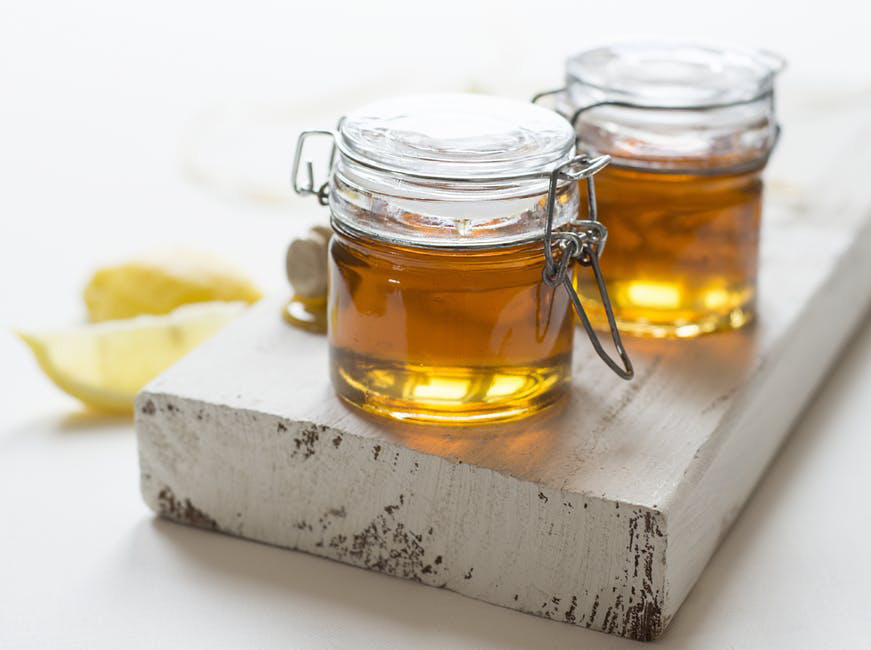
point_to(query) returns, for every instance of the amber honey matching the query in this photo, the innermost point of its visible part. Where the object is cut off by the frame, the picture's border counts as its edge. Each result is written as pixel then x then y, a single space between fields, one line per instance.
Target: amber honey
pixel 682 251
pixel 453 336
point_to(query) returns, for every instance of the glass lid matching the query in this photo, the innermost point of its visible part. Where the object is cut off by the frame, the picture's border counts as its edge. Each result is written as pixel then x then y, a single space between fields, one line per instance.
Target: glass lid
pixel 451 170
pixel 456 136
pixel 674 107
pixel 675 75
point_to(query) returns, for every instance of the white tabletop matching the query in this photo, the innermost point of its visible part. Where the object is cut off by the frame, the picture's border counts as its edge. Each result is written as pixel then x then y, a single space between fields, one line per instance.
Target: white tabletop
pixel 121 130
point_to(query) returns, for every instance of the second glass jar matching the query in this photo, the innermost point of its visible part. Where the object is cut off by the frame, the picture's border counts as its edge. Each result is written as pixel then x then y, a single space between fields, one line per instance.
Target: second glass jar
pixel 689 129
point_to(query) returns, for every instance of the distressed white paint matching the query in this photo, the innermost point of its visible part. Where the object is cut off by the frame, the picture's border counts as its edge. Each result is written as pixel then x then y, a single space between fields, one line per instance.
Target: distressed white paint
pixel 603 515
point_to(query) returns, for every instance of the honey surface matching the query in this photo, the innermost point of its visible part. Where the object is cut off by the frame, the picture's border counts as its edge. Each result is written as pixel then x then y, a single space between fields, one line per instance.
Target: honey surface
pixel 453 337
pixel 681 255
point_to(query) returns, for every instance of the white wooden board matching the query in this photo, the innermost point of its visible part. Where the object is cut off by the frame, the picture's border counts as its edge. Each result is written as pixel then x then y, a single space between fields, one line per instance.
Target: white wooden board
pixel 603 514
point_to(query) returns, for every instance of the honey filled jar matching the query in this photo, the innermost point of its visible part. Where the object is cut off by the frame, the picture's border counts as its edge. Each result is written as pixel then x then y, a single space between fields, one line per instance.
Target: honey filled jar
pixel 689 130
pixel 456 227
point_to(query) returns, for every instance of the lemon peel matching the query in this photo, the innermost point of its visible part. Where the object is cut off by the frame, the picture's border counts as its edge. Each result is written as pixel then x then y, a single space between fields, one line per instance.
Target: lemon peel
pixel 105 365
pixel 161 281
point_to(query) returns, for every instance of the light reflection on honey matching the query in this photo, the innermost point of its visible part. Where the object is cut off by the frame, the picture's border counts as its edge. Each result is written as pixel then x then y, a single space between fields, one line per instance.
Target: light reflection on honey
pixel 652 295
pixel 682 251
pixel 446 337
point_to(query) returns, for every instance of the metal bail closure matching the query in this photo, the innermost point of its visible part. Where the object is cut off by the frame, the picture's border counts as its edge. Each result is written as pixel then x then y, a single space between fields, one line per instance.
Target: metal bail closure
pixel 584 244
pixel 322 192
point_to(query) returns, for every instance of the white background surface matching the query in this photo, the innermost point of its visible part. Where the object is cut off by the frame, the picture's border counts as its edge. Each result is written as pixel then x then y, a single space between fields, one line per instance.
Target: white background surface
pixel 124 126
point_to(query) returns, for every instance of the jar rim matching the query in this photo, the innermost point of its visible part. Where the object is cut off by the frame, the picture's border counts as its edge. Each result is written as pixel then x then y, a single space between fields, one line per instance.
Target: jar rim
pixel 674 107
pixel 673 75
pixel 456 138
pixel 449 170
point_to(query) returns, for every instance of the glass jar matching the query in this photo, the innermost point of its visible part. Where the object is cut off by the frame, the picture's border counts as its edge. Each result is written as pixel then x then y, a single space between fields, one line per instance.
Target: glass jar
pixel 689 130
pixel 446 210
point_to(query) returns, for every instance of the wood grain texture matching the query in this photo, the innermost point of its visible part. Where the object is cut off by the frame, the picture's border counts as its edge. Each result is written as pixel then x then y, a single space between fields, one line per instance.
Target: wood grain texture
pixel 601 514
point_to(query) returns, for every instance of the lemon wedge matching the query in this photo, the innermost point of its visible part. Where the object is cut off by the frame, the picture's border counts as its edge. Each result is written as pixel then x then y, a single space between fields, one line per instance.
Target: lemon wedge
pixel 105 364
pixel 162 280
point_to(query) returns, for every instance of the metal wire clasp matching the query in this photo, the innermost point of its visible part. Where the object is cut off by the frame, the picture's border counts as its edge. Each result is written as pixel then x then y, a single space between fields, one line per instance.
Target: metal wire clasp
pixel 583 243
pixel 322 192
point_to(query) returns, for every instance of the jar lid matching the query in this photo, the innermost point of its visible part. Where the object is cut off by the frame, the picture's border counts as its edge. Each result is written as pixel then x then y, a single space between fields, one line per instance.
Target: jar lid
pixel 456 136
pixel 675 76
pixel 674 106
pixel 451 170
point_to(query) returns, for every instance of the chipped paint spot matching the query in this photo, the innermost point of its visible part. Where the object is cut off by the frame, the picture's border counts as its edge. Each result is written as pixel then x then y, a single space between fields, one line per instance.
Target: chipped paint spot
pixel 570 612
pixel 593 611
pixel 307 441
pixel 387 546
pixel 643 621
pixel 183 511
